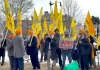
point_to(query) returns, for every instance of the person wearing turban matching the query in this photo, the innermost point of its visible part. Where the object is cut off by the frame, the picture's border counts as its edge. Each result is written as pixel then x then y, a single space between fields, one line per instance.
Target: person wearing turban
pixel 84 50
pixel 10 49
pixel 50 50
pixel 19 50
pixel 32 50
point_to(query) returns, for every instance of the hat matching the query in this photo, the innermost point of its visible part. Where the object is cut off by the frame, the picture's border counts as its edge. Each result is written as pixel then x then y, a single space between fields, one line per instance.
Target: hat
pixel 30 31
pixel 66 31
pixel 82 31
pixel 18 31
pixel 56 30
pixel 11 36
pixel 51 32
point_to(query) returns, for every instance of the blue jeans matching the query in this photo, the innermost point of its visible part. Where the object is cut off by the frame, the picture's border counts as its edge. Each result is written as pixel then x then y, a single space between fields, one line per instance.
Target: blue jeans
pixel 11 59
pixel 64 54
pixel 19 63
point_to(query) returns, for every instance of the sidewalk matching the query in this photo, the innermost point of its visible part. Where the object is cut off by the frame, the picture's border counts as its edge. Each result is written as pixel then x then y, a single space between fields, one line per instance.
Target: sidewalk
pixel 29 67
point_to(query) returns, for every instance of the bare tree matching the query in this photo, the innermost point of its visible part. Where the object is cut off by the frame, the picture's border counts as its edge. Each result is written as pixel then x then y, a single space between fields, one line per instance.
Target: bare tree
pixel 2 19
pixel 72 9
pixel 24 5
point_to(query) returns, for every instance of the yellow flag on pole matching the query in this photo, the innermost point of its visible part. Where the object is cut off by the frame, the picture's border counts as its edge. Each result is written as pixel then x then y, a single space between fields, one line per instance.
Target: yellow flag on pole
pixel 9 17
pixel 45 27
pixel 36 21
pixel 56 9
pixel 60 23
pixel 73 29
pixel 64 28
pixel 98 41
pixel 19 19
pixel 89 25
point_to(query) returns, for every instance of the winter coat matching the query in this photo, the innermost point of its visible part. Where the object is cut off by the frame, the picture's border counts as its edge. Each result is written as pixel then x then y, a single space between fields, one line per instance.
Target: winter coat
pixel 32 50
pixel 10 48
pixel 19 49
pixel 57 37
pixel 84 47
pixel 53 46
pixel 2 48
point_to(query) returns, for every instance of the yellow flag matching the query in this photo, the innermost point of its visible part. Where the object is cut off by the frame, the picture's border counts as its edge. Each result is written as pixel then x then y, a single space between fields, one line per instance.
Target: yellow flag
pixel 51 16
pixel 59 24
pixel 55 15
pixel 36 21
pixel 98 41
pixel 56 9
pixel 89 25
pixel 45 27
pixel 19 19
pixel 40 15
pixel 73 29
pixel 64 28
pixel 51 27
pixel 9 17
pixel 35 16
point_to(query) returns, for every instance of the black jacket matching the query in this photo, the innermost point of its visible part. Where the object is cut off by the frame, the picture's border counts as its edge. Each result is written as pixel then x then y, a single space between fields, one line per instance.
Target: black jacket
pixel 84 47
pixel 53 47
pixel 2 48
pixel 32 50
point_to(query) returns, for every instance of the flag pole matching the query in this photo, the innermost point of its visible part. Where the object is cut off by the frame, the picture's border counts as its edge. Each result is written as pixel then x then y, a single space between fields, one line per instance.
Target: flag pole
pixel 4 29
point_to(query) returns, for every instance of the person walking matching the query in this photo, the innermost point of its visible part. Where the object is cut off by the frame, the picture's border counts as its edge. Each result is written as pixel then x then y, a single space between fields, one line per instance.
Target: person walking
pixel 19 50
pixel 10 49
pixel 33 50
pixel 58 50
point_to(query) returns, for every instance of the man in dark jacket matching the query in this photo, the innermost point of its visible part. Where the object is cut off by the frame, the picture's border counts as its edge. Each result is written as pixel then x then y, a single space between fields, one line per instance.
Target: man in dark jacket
pixel 58 50
pixel 84 51
pixel 33 51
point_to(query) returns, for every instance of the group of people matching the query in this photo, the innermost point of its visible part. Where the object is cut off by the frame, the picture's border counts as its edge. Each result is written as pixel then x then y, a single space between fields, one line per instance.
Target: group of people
pixel 82 49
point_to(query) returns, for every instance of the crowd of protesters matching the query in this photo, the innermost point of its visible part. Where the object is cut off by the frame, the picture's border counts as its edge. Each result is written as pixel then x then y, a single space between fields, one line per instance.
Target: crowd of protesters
pixel 82 51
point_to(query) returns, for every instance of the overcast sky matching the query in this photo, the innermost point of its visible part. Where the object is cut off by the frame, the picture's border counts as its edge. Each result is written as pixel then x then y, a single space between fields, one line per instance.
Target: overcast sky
pixel 92 5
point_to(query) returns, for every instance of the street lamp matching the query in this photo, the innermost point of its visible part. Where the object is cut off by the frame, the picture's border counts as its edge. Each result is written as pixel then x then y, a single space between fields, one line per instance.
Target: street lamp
pixel 53 4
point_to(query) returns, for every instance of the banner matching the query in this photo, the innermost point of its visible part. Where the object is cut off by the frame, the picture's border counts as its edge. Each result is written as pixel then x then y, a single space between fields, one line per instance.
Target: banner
pixel 66 44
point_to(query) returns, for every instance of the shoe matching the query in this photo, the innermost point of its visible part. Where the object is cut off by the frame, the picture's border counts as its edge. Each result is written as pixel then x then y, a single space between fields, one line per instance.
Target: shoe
pixel 2 64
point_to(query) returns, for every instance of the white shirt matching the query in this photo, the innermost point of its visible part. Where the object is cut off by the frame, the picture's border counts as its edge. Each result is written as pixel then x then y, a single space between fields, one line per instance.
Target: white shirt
pixel 49 46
